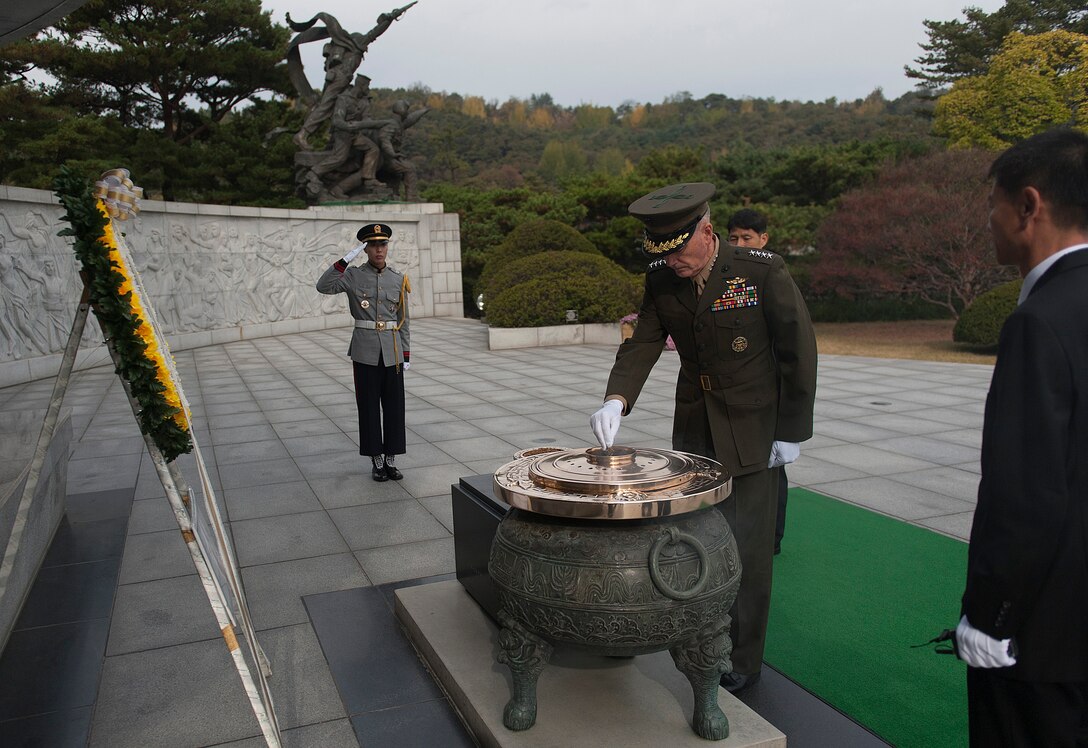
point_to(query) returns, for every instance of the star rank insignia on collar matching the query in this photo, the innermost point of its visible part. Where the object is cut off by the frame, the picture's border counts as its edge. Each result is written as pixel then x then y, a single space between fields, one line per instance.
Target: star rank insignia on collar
pixel 656 265
pixel 761 253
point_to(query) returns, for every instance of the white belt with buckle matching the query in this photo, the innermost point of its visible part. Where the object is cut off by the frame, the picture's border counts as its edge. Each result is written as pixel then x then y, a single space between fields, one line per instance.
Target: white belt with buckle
pixel 368 324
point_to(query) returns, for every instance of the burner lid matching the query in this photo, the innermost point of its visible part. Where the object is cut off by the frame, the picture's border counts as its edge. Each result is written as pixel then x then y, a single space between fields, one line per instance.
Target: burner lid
pixel 615 483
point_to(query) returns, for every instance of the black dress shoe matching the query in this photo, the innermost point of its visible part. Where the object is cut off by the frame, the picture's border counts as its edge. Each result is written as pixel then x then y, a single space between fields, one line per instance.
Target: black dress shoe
pixel 379 474
pixel 737 682
pixel 392 473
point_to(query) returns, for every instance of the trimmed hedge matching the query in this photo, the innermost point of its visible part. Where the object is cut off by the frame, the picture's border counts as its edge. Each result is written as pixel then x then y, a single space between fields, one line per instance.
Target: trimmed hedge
pixel 544 301
pixel 543 268
pixel 542 235
pixel 980 324
pixel 545 264
pixel 540 289
pixel 531 238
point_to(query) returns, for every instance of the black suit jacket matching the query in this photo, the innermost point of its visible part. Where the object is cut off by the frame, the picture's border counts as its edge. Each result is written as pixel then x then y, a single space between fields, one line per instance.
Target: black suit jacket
pixel 1027 571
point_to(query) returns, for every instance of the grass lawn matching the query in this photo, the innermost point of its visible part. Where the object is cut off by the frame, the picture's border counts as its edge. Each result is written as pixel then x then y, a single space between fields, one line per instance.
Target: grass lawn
pixel 927 340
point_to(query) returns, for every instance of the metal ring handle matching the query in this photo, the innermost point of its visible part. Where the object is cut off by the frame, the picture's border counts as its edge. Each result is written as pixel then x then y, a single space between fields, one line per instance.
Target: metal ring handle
pixel 672 536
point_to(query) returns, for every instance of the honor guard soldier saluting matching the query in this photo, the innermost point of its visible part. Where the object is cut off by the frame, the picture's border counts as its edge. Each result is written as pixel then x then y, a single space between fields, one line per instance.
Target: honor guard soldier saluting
pixel 378 300
pixel 747 381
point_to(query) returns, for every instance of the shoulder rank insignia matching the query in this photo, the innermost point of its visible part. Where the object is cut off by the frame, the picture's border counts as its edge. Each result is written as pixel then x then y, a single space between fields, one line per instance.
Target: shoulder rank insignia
pixel 739 293
pixel 655 265
pixel 761 254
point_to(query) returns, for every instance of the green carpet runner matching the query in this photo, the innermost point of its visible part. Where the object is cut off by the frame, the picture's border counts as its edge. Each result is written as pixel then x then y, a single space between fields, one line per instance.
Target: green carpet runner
pixel 853 590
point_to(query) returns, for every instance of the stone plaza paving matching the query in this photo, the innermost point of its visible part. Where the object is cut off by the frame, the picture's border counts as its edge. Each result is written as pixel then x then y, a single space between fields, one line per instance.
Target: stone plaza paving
pixel 276 421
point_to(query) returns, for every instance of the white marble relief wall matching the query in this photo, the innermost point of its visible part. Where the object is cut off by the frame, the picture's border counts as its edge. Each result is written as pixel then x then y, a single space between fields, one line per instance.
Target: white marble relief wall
pixel 213 273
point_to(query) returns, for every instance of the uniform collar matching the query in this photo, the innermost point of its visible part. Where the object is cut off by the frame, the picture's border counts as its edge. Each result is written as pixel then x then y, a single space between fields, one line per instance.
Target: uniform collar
pixel 701 277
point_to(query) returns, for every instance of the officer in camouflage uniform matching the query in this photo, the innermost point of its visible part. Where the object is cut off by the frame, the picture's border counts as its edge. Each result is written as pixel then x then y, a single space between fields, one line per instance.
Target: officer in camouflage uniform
pixel 747 381
pixel 378 301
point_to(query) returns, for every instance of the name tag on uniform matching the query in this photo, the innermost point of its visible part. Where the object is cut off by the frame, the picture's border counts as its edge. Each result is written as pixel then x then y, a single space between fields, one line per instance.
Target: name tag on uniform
pixel 739 293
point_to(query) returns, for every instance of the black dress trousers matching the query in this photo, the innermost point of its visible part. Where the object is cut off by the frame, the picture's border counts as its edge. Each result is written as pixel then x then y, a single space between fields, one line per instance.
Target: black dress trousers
pixel 379 393
pixel 1007 713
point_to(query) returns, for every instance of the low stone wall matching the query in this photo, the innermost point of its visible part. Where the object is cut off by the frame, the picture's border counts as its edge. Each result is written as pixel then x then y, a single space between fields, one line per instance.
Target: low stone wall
pixel 500 338
pixel 214 273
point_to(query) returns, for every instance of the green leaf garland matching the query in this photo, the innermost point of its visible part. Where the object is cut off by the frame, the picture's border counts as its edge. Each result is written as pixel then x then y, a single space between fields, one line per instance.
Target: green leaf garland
pixel 114 310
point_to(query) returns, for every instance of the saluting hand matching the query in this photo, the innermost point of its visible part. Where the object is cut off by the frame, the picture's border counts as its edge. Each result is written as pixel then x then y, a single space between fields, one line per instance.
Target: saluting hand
pixel 353 254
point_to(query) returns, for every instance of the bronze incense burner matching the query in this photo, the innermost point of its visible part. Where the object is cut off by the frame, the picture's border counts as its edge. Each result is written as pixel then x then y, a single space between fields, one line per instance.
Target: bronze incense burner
pixel 618 552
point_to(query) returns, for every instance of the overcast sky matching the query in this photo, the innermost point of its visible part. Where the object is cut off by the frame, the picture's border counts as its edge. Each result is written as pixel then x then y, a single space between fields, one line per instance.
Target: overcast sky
pixel 608 51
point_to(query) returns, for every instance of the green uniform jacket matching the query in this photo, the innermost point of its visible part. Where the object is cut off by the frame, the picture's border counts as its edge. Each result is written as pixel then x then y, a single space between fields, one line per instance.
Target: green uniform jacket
pixel 747 357
pixel 378 297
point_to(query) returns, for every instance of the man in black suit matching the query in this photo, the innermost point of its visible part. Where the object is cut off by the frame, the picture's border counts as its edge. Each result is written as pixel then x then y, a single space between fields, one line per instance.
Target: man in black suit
pixel 1024 630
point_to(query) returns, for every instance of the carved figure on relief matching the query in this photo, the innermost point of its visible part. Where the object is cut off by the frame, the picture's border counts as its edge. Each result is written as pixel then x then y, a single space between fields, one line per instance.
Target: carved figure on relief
pixel 56 303
pixel 34 231
pixel 16 330
pixel 276 277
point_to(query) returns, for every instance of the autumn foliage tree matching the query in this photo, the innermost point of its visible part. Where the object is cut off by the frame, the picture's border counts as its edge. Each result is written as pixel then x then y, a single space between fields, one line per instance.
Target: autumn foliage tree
pixel 919 230
pixel 964 48
pixel 1033 83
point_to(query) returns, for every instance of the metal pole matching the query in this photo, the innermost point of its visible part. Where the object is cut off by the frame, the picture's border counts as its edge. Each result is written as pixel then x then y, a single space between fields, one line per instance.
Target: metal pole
pixel 166 472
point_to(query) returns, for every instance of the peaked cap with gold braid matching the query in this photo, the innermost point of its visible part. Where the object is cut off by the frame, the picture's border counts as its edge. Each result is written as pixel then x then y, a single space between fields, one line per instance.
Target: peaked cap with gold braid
pixel 375 232
pixel 670 215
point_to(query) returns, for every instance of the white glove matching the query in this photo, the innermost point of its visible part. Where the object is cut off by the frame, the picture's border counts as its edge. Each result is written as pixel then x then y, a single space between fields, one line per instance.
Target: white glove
pixel 353 254
pixel 605 423
pixel 981 650
pixel 783 453
pixel 406 365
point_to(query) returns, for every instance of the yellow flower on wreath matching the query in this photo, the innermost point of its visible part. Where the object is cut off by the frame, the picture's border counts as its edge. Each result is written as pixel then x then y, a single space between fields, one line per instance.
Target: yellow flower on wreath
pixel 143 330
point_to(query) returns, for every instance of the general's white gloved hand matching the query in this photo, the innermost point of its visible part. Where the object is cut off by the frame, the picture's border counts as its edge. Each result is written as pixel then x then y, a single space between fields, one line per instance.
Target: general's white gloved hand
pixel 605 423
pixel 783 453
pixel 981 650
pixel 406 365
pixel 353 254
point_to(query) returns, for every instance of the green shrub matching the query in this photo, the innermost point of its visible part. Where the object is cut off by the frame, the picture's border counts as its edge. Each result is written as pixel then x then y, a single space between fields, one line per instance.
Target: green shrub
pixel 530 238
pixel 980 324
pixel 546 265
pixel 551 283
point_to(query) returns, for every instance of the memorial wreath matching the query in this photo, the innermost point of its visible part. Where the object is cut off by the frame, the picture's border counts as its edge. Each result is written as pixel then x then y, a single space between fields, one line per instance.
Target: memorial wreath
pixel 141 354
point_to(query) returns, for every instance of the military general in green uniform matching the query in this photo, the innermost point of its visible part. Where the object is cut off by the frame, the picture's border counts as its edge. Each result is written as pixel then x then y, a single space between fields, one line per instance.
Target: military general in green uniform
pixel 377 298
pixel 747 381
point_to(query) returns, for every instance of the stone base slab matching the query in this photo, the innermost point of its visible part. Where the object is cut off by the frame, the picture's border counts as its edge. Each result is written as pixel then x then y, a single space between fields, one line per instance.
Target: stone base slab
pixel 501 338
pixel 583 700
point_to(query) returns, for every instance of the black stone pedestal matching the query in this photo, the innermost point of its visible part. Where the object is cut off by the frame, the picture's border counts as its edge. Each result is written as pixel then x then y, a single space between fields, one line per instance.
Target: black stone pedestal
pixel 476 516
